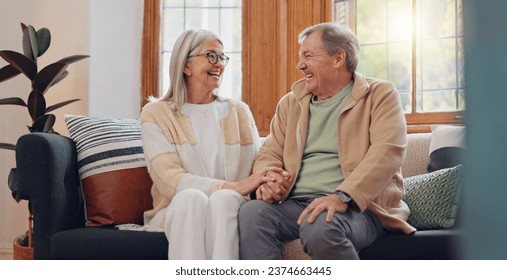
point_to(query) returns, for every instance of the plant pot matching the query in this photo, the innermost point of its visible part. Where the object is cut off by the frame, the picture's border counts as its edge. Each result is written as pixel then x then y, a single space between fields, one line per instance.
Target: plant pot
pixel 21 251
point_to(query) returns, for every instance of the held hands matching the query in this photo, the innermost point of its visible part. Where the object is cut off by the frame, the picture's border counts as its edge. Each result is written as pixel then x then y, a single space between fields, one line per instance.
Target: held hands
pixel 330 203
pixel 255 180
pixel 274 190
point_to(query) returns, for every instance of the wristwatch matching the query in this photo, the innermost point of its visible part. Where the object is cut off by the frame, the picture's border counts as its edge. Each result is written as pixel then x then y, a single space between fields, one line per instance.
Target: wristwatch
pixel 345 198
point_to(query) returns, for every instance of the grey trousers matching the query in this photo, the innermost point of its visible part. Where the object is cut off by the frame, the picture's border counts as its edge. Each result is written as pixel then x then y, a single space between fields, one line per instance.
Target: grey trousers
pixel 263 227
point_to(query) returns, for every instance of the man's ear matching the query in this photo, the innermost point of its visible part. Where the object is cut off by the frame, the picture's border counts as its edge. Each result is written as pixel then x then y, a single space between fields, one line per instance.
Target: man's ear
pixel 340 58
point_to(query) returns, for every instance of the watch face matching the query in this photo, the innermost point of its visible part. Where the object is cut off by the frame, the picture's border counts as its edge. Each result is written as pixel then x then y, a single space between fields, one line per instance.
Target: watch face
pixel 344 197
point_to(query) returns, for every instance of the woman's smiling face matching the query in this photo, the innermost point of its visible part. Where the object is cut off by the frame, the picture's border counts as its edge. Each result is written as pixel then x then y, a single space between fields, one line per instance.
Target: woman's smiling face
pixel 199 70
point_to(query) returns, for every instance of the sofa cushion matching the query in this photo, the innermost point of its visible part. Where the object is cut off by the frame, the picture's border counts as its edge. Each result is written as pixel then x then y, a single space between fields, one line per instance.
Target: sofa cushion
pixel 108 243
pixel 112 168
pixel 446 146
pixel 433 198
pixel 416 160
pixel 441 244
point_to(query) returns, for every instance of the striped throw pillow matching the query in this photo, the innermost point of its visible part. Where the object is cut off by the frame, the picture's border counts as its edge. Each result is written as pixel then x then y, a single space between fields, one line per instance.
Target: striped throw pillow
pixel 105 144
pixel 112 167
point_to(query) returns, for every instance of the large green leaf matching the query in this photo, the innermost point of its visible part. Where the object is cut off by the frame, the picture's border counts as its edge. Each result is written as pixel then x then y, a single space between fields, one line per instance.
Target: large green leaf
pixel 60 104
pixel 20 62
pixel 72 59
pixel 47 75
pixel 60 77
pixel 12 101
pixel 7 146
pixel 36 104
pixel 44 37
pixel 30 43
pixel 7 72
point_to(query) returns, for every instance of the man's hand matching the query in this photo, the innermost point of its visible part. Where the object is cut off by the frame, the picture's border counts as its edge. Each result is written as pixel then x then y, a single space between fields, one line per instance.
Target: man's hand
pixel 274 191
pixel 254 181
pixel 330 203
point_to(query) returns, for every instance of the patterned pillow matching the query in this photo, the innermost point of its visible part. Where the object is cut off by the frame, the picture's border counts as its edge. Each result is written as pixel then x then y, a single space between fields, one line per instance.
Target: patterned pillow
pixel 115 181
pixel 433 198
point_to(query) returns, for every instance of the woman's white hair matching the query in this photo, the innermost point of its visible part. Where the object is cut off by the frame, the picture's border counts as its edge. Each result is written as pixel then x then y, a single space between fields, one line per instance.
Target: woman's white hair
pixel 187 44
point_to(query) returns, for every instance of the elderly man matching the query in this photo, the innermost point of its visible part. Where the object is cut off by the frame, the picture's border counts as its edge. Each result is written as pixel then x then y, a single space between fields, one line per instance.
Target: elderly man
pixel 341 137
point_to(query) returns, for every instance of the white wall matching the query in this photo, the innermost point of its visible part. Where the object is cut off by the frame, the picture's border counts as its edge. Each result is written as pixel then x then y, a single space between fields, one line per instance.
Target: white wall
pixel 108 83
pixel 115 70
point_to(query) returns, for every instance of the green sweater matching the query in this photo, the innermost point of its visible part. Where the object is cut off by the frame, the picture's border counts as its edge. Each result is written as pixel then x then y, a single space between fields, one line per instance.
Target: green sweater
pixel 321 171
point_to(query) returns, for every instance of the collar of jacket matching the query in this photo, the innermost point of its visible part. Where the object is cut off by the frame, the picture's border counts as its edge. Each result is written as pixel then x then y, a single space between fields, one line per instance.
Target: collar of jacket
pixel 359 89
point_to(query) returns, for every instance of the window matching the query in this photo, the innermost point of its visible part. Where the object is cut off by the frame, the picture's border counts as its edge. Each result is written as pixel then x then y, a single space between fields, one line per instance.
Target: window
pixel 417 45
pixel 220 16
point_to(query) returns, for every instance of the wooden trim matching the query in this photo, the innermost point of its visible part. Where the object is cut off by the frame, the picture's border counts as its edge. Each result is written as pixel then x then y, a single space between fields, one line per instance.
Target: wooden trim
pixel 418 129
pixel 150 51
pixel 435 118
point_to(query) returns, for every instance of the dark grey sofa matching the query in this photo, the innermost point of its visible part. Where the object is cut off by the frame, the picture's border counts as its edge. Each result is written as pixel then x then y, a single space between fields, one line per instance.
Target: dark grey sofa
pixel 48 178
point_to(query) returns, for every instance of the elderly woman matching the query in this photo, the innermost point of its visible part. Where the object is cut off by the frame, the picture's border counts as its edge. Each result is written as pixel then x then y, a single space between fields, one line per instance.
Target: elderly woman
pixel 199 149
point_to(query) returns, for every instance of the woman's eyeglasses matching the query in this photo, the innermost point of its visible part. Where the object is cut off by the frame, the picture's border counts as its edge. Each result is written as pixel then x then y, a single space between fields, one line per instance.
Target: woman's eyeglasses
pixel 213 57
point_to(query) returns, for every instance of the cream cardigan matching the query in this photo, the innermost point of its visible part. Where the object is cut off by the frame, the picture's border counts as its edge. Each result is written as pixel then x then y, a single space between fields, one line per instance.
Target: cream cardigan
pixel 173 158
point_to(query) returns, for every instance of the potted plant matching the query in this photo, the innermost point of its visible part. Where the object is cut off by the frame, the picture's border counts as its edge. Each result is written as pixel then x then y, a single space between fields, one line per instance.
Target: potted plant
pixel 35 43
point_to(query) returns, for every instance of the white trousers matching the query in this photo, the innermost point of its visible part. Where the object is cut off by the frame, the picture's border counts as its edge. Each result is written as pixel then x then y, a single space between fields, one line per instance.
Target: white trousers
pixel 199 227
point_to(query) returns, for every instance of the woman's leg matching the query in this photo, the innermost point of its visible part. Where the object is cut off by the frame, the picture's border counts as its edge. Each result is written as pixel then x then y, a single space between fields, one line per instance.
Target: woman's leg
pixel 185 225
pixel 222 240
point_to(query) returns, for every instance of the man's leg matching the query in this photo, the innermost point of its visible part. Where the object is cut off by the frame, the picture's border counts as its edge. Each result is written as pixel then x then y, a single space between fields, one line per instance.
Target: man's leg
pixel 342 238
pixel 263 227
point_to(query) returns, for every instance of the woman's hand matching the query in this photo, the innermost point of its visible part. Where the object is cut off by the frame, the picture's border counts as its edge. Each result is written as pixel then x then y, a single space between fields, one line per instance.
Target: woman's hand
pixel 275 191
pixel 255 180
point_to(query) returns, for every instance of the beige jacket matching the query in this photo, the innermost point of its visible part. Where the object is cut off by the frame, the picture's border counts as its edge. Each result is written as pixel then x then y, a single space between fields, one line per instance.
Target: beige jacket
pixel 372 131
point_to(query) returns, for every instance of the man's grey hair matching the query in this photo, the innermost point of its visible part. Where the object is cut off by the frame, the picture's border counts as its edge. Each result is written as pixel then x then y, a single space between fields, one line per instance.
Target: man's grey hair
pixel 335 38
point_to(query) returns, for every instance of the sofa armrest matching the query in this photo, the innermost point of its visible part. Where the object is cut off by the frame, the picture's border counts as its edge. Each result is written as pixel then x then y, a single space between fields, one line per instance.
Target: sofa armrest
pixel 48 178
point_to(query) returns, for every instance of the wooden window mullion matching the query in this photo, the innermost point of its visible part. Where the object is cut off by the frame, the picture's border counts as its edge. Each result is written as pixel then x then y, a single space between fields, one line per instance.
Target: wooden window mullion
pixel 150 51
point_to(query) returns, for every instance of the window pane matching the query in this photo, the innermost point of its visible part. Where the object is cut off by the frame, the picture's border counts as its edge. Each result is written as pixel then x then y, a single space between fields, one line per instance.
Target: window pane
pixel 231 3
pixel 461 99
pixel 399 20
pixel 231 83
pixel 371 21
pixel 202 19
pixel 437 101
pixel 460 17
pixel 437 18
pixel 372 61
pixel 400 66
pixel 230 29
pixel 406 101
pixel 174 3
pixel 173 26
pixel 202 3
pixel 438 64
pixel 344 13
pixel 461 64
